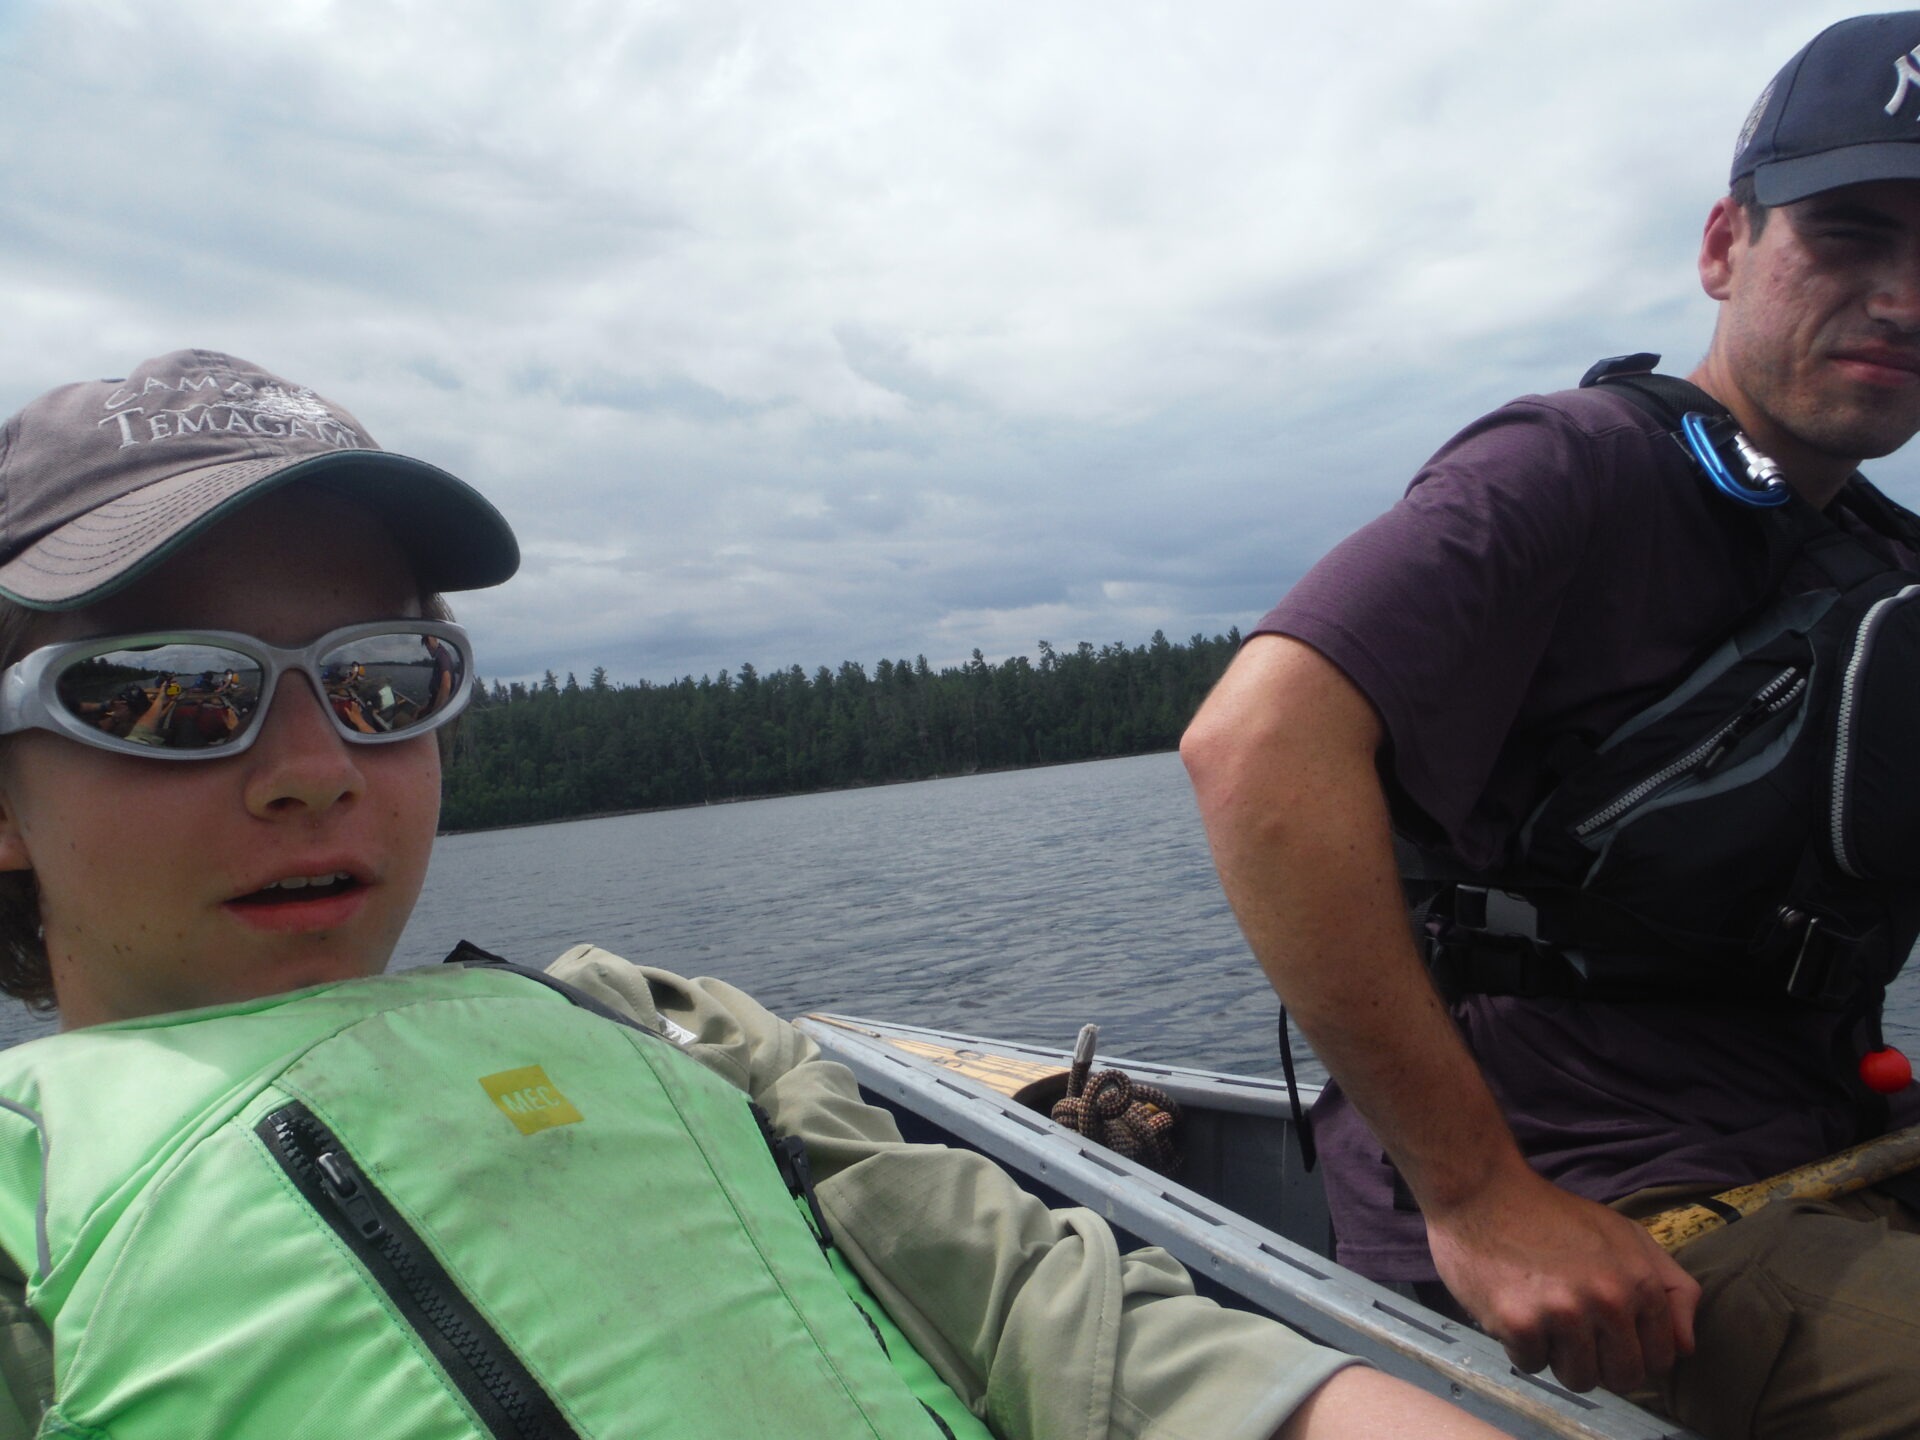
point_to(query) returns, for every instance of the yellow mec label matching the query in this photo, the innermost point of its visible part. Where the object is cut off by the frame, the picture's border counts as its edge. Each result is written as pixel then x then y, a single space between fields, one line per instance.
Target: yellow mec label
pixel 528 1098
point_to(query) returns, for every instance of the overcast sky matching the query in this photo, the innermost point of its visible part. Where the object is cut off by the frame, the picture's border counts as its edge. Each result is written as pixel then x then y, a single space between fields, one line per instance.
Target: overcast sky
pixel 800 332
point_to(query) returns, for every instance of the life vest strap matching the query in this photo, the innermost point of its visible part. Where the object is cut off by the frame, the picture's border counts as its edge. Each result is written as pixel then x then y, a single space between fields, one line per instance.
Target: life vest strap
pixel 1482 940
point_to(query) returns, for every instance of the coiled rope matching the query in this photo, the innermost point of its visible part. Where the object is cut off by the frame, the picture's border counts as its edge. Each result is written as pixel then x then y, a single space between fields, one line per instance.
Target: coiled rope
pixel 1111 1109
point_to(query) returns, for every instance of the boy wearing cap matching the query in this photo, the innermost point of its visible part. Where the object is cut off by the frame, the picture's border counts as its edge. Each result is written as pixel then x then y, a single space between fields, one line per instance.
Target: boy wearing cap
pixel 1554 570
pixel 254 1189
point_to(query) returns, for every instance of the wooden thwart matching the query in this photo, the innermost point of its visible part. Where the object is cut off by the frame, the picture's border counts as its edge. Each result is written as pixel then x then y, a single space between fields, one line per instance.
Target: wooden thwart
pixel 1018 1078
pixel 1867 1163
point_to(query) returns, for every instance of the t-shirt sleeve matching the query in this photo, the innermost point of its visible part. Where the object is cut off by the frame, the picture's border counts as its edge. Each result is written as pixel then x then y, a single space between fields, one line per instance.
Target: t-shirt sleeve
pixel 1441 610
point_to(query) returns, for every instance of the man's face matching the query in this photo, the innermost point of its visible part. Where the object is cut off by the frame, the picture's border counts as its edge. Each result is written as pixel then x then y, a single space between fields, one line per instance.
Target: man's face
pixel 1818 344
pixel 159 882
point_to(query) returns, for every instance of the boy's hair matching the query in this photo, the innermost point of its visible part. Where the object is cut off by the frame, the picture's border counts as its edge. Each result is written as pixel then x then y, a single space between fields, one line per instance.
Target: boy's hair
pixel 24 971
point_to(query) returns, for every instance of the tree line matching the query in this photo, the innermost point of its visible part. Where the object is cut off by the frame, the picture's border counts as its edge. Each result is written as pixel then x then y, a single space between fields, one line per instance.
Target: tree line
pixel 558 748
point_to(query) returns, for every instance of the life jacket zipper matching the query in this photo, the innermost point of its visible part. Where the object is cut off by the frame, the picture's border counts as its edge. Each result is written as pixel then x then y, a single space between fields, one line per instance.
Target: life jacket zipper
pixel 1771 698
pixel 1843 725
pixel 509 1401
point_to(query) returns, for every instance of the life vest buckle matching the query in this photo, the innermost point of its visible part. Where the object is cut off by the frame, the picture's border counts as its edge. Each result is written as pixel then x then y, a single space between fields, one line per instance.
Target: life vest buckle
pixel 1467 961
pixel 1824 963
pixel 1496 912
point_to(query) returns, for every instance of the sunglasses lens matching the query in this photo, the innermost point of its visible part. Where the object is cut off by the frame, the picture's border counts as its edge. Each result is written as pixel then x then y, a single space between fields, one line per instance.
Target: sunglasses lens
pixel 172 697
pixel 186 696
pixel 383 684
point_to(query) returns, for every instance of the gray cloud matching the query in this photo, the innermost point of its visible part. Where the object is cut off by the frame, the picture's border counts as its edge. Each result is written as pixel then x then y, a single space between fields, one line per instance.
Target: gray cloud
pixel 838 330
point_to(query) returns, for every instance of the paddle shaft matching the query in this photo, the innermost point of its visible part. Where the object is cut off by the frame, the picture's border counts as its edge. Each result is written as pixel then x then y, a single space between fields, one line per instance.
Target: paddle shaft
pixel 1867 1163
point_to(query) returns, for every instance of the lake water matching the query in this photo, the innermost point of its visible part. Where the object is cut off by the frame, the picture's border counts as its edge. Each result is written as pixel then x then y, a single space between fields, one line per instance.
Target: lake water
pixel 1020 904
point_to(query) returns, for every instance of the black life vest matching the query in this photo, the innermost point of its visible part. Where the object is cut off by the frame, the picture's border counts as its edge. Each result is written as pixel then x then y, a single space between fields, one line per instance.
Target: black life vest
pixel 1753 836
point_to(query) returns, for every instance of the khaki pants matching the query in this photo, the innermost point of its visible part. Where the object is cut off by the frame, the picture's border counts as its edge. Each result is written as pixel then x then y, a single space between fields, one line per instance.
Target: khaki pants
pixel 1809 1322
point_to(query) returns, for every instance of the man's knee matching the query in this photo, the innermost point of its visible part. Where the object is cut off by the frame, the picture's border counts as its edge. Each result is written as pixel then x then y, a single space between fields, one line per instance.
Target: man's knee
pixel 1808 1324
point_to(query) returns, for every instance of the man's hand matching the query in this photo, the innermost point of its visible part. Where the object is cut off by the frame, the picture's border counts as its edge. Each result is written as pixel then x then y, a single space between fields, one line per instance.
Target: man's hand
pixel 1566 1283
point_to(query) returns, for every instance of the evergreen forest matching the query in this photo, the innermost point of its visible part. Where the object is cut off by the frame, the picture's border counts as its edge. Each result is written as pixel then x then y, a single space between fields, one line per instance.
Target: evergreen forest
pixel 560 749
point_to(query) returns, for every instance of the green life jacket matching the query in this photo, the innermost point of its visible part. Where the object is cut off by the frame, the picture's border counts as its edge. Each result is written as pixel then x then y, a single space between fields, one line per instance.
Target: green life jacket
pixel 446 1203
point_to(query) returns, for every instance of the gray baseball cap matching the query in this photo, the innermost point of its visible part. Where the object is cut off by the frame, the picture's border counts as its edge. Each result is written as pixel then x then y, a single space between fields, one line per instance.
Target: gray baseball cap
pixel 101 480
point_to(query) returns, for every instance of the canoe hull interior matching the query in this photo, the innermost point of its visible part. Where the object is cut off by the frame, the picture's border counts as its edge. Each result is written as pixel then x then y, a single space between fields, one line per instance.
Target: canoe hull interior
pixel 1243 1214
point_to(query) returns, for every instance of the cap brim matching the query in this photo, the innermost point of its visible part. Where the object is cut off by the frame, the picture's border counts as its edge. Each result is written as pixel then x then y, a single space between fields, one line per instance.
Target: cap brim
pixel 1785 181
pixel 453 536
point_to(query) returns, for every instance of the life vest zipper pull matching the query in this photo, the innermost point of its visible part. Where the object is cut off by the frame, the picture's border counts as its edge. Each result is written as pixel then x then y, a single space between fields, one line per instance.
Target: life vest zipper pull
pixel 343 1187
pixel 1763 705
pixel 1721 749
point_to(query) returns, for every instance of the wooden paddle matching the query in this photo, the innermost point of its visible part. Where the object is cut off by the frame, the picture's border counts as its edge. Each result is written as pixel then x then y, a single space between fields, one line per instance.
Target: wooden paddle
pixel 1864 1164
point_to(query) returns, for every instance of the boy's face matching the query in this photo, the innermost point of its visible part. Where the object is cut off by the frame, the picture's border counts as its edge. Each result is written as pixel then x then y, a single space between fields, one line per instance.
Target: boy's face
pixel 158 880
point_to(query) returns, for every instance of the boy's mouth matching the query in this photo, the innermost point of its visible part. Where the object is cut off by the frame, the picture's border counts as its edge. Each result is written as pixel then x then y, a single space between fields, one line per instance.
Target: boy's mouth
pixel 300 888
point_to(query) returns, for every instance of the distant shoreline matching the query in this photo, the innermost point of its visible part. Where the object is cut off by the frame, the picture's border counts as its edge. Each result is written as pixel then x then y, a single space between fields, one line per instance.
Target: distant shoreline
pixel 567 751
pixel 791 794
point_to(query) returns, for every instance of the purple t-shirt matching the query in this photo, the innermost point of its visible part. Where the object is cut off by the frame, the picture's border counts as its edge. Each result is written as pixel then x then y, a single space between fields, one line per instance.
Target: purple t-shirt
pixel 1555 568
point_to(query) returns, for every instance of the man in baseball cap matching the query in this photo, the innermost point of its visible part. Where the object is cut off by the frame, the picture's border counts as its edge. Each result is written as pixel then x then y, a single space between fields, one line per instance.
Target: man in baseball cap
pixel 103 479
pixel 1650 959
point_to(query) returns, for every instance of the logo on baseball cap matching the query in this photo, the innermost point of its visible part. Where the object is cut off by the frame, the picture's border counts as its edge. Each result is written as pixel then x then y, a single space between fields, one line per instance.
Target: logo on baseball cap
pixel 101 480
pixel 1845 110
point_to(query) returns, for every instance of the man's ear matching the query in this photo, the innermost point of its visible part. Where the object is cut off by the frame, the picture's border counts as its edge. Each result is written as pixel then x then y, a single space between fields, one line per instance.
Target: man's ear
pixel 1726 230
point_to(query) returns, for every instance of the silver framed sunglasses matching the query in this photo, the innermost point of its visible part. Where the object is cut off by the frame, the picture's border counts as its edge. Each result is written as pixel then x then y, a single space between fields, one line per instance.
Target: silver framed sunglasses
pixel 201 694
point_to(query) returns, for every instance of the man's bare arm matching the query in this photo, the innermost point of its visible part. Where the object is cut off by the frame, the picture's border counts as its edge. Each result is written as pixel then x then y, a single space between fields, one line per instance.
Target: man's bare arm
pixel 1282 757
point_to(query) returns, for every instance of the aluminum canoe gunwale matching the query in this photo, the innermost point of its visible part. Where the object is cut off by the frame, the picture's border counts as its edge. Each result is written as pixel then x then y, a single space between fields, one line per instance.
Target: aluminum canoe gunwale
pixel 1269 1270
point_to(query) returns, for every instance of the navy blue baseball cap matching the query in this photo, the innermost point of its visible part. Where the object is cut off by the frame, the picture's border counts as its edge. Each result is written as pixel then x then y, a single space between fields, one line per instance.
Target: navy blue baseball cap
pixel 1846 109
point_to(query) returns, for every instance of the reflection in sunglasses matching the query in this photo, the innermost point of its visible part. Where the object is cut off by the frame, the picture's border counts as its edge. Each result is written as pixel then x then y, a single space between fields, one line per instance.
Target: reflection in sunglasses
pixel 183 696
